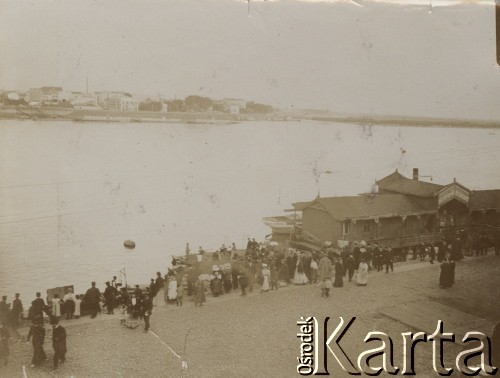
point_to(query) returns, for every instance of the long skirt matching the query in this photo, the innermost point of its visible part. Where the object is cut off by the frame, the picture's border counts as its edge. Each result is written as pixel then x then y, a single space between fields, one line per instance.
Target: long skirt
pixel 362 278
pixel 338 280
pixel 265 283
pixel 172 290
pixel 159 299
pixel 300 278
pixel 56 308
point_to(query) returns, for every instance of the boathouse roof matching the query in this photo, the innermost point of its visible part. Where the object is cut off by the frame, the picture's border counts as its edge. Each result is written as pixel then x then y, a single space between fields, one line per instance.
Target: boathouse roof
pixel 397 183
pixel 371 206
pixel 484 200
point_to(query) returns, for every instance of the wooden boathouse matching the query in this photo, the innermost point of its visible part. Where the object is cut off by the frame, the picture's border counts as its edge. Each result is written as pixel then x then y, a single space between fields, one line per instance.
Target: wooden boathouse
pixel 402 212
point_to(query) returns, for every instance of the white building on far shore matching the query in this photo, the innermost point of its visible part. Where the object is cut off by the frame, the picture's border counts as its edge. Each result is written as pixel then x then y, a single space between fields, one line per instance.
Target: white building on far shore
pixel 123 103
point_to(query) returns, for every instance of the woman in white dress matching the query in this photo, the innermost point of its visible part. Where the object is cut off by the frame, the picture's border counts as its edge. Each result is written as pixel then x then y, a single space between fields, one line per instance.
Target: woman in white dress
pixel 56 306
pixel 265 276
pixel 172 288
pixel 362 277
pixel 300 277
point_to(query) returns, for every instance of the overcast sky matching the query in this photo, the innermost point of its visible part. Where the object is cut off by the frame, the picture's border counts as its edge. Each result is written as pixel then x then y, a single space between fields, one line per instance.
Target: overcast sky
pixel 378 58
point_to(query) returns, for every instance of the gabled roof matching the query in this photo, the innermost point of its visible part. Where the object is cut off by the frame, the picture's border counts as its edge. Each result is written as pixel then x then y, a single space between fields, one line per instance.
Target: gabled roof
pixel 454 183
pixel 485 199
pixel 397 183
pixel 371 206
pixel 299 206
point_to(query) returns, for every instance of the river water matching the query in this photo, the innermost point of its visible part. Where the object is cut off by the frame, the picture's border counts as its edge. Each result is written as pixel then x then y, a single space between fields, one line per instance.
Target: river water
pixel 72 193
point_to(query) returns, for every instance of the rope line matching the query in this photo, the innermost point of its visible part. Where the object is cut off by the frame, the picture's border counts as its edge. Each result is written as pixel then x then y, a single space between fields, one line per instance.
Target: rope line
pixel 164 343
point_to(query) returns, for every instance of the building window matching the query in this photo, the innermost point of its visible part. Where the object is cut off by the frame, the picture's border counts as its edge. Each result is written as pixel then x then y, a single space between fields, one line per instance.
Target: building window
pixel 347 227
pixel 366 226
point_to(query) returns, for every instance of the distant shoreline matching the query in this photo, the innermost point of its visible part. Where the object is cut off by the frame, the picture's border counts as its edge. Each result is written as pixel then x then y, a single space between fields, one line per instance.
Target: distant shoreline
pixel 85 115
pixel 78 115
pixel 409 121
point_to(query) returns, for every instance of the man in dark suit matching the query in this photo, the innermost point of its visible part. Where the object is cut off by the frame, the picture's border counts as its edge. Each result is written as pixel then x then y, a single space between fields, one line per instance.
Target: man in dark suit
pixel 4 310
pixel 17 311
pixel 389 259
pixel 160 282
pixel 109 295
pixel 58 341
pixel 37 306
pixel 92 298
pixel 7 318
pixel 37 333
pixel 146 309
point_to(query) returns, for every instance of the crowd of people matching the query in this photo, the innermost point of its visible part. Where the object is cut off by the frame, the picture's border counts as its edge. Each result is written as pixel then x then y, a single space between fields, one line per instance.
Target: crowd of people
pixel 231 270
pixel 11 319
pixel 37 335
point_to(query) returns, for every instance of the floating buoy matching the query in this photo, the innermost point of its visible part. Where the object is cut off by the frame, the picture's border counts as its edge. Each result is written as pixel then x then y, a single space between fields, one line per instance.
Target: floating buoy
pixel 129 244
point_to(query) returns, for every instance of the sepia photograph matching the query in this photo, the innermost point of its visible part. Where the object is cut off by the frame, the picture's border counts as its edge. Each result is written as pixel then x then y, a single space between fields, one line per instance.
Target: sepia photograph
pixel 249 188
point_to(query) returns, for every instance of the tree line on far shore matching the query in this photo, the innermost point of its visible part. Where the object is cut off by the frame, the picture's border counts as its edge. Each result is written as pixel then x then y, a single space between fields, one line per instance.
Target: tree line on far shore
pixel 191 103
pixel 203 104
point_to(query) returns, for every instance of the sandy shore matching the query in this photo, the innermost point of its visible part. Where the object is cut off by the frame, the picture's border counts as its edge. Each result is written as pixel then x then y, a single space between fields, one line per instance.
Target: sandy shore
pixel 255 336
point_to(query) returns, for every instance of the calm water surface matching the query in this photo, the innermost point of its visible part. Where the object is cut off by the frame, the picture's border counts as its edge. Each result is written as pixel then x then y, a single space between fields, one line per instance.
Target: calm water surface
pixel 71 193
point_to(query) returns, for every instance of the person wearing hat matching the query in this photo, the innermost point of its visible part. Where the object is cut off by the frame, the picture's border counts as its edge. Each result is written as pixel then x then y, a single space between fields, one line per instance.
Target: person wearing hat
pixel 349 266
pixel 4 310
pixel 243 281
pixel 152 287
pixel 37 306
pixel 300 277
pixel 339 273
pixel 216 282
pixel 58 341
pixel 160 282
pixel 146 310
pixel 92 298
pixel 37 336
pixel 226 278
pixel 16 311
pixel 109 295
pixel 356 253
pixel 389 259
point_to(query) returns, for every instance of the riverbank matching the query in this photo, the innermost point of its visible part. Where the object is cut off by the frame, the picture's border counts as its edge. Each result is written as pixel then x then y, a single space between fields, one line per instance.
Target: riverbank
pixel 99 115
pixel 255 336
